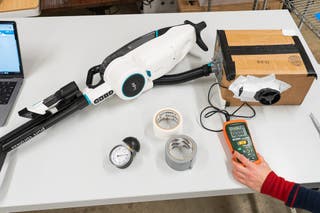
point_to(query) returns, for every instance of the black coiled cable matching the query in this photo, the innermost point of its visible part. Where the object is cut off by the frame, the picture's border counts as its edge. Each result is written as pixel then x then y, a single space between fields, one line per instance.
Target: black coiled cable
pixel 211 110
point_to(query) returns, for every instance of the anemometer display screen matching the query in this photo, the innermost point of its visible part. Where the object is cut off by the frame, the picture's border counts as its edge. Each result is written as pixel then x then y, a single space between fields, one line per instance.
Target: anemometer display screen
pixel 238 131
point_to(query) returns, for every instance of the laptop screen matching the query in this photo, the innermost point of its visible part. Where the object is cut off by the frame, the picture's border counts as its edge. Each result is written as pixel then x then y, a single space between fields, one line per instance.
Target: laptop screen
pixel 9 50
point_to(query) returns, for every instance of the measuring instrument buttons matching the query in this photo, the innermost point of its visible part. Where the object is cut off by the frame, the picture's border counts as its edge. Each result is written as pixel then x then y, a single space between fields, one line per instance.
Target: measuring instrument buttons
pixel 238 138
pixel 122 155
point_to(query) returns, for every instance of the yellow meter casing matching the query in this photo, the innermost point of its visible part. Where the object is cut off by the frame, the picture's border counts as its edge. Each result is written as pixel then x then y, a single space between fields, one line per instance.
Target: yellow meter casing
pixel 238 138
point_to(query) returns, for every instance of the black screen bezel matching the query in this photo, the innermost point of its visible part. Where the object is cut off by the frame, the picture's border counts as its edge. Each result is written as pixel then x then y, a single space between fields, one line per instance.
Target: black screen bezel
pixel 14 74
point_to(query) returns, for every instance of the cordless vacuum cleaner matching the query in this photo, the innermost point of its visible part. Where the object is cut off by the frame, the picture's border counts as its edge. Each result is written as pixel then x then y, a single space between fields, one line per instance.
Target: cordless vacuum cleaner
pixel 128 72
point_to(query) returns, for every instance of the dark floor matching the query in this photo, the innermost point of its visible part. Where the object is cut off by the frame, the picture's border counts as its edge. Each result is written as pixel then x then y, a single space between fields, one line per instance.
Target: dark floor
pixel 312 40
pixel 247 203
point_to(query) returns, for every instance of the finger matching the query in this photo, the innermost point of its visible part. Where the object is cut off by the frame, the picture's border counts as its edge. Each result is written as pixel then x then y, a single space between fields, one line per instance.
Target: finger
pixel 236 160
pixel 238 174
pixel 260 156
pixel 263 162
pixel 239 167
pixel 243 159
pixel 239 177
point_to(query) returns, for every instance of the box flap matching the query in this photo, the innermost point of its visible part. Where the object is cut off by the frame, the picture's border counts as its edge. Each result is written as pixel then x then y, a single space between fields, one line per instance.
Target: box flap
pixel 257 37
pixel 285 64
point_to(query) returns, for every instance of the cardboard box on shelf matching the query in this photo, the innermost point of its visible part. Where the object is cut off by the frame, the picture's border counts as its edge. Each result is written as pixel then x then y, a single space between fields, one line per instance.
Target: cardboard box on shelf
pixel 229 5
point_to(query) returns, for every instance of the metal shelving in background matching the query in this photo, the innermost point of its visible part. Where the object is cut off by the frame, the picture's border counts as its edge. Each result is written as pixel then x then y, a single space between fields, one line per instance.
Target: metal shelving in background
pixel 308 11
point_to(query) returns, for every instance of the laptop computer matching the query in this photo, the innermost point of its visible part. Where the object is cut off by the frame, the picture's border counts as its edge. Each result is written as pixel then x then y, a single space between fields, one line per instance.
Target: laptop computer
pixel 11 72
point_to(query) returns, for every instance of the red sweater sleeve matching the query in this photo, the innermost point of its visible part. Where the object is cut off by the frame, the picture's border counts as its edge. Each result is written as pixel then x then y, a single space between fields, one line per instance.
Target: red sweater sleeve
pixel 277 187
pixel 291 193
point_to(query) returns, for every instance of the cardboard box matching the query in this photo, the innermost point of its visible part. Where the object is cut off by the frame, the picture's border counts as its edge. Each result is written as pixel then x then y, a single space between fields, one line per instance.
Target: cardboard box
pixel 230 5
pixel 204 3
pixel 260 53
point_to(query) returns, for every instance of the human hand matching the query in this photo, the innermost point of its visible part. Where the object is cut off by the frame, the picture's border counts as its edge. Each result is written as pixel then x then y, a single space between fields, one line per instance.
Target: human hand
pixel 249 173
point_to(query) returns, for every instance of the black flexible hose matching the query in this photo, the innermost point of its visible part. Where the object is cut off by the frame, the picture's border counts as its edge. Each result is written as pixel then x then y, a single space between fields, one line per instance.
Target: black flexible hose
pixel 199 72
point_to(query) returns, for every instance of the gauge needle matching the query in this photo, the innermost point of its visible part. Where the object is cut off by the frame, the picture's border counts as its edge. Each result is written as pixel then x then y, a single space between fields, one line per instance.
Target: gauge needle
pixel 122 155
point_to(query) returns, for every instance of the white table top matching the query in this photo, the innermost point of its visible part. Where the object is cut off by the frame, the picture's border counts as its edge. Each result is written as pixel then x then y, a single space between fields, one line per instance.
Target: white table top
pixel 67 165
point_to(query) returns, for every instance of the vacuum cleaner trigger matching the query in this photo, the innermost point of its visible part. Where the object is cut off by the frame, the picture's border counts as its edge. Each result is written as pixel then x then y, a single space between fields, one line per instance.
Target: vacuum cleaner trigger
pixel 90 77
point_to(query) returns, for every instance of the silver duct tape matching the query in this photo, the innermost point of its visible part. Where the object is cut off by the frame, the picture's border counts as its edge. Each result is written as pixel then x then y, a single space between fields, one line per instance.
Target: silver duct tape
pixel 180 152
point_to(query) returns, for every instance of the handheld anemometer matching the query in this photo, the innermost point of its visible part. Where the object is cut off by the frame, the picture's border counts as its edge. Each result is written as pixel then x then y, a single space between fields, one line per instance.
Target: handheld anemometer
pixel 238 138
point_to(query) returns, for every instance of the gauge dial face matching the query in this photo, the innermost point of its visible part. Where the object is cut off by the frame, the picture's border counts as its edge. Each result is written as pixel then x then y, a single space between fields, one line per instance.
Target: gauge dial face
pixel 120 156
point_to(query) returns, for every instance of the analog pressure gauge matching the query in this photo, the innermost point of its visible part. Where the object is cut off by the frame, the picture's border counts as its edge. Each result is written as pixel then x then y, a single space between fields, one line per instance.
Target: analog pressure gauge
pixel 122 155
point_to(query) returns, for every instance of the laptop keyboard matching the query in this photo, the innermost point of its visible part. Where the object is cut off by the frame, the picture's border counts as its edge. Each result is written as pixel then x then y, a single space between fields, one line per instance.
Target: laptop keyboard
pixel 6 89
